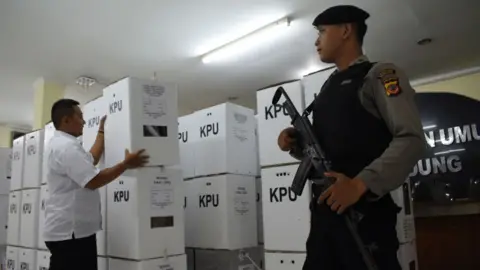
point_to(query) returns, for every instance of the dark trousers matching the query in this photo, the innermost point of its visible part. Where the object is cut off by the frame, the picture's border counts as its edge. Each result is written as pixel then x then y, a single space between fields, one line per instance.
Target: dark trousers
pixel 330 245
pixel 74 254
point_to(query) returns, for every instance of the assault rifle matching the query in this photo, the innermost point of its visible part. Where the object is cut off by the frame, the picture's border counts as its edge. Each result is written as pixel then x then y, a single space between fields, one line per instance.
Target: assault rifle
pixel 314 163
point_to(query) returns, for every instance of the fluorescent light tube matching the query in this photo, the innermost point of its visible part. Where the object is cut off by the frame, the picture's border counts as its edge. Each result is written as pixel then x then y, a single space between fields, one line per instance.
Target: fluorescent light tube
pixel 246 42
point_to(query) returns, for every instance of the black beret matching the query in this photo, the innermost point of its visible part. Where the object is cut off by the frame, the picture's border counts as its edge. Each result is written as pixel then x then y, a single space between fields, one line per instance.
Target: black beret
pixel 341 14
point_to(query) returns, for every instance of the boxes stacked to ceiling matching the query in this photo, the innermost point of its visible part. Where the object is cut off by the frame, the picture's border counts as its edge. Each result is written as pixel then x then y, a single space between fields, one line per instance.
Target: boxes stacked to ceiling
pixel 407 253
pixel 219 157
pixel 145 218
pixel 93 112
pixel 5 165
pixel 286 217
pixel 43 255
pixel 24 202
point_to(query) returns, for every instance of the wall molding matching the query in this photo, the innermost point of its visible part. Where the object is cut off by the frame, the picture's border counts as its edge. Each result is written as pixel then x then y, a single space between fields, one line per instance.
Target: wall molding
pixel 446 76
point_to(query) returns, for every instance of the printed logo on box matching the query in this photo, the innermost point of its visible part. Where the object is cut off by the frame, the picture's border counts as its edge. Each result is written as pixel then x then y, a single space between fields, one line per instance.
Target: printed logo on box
pixel 93 122
pixel 10 264
pixel 273 111
pixel 13 208
pixel 24 266
pixel 31 150
pixel 27 208
pixel 121 195
pixel 240 118
pixel 183 136
pixel 209 129
pixel 280 194
pixel 17 155
pixel 115 107
pixel 208 200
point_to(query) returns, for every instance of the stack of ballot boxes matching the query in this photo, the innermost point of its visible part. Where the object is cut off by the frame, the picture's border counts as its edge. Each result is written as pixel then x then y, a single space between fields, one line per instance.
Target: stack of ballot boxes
pixel 286 216
pixel 145 217
pixel 43 255
pixel 407 252
pixel 5 165
pixel 221 212
pixel 24 203
pixel 93 111
pixel 258 188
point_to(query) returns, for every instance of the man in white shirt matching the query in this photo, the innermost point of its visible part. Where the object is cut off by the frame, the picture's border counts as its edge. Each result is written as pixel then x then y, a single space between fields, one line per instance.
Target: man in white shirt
pixel 72 212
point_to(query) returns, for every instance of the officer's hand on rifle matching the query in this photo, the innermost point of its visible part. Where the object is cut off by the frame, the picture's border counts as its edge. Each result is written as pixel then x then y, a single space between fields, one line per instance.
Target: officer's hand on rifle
pixel 343 193
pixel 286 139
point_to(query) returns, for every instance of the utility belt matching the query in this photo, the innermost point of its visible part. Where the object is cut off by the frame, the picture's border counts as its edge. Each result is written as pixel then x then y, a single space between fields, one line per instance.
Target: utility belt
pixel 384 205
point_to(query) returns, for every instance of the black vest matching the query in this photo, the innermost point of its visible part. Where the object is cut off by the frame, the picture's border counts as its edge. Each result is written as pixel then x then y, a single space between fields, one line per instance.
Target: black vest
pixel 350 136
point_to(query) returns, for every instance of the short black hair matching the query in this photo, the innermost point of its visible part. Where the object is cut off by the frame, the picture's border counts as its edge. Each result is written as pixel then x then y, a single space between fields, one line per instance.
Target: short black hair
pixel 61 108
pixel 360 29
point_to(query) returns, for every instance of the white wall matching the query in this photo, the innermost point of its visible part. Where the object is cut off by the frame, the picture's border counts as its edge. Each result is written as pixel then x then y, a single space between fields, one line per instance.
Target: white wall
pixel 5 136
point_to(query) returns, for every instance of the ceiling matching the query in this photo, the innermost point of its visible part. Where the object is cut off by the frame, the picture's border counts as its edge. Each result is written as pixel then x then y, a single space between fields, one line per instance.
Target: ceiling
pixel 63 39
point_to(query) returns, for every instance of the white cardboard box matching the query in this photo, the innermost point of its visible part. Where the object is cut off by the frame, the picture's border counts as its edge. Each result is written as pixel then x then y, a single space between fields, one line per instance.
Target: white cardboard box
pixel 224 140
pixel 18 159
pixel 43 260
pixel 228 259
pixel 284 261
pixel 145 113
pixel 41 217
pixel 14 209
pixel 258 188
pixel 186 128
pixel 102 263
pixel 221 212
pixel 286 217
pixel 32 176
pixel 27 259
pixel 405 219
pixel 257 148
pixel 93 112
pixel 178 262
pixel 145 214
pixel 49 131
pixel 29 218
pixel 273 119
pixel 102 235
pixel 3 219
pixel 313 84
pixel 12 258
pixel 407 255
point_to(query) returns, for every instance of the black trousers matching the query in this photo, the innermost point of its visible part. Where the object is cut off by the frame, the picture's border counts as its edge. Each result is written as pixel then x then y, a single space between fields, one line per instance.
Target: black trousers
pixel 74 254
pixel 330 246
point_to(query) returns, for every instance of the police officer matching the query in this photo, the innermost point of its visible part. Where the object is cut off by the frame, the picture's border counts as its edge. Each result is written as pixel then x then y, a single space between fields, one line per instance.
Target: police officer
pixel 366 120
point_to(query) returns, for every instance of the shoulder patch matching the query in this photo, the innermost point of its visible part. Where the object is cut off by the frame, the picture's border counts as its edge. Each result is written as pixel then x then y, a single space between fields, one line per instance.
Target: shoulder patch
pixel 390 81
pixel 392 87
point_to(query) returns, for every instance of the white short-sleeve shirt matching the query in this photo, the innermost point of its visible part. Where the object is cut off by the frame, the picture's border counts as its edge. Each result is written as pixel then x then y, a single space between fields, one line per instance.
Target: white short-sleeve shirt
pixel 71 209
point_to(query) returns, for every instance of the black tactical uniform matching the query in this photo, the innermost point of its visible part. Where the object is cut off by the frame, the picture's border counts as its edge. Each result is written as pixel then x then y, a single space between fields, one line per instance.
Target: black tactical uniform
pixel 366 121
